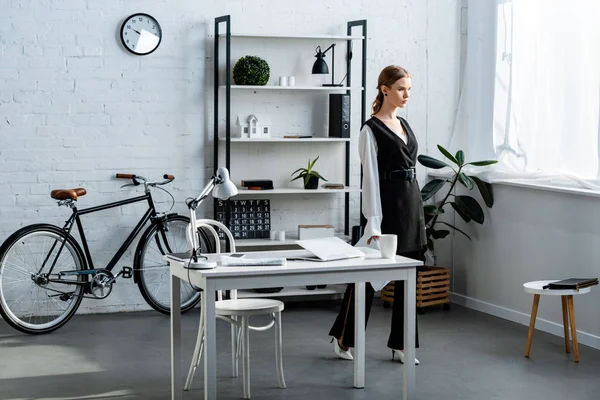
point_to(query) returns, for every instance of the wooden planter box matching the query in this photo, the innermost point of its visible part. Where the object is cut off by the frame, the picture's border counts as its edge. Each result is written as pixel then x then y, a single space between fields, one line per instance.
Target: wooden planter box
pixel 433 285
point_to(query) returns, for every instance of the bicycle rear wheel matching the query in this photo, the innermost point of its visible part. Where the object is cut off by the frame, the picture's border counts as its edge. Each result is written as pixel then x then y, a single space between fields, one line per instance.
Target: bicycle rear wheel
pixel 32 300
pixel 152 270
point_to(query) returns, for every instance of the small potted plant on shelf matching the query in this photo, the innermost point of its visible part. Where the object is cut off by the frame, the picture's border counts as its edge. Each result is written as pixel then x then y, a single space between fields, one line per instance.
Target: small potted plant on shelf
pixel 309 175
pixel 434 280
pixel 251 70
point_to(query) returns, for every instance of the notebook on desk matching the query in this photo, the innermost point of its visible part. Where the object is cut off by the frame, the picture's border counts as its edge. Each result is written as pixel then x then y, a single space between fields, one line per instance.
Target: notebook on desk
pixel 328 249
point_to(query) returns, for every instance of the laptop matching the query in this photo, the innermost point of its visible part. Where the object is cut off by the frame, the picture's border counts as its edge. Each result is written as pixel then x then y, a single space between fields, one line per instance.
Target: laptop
pixel 328 249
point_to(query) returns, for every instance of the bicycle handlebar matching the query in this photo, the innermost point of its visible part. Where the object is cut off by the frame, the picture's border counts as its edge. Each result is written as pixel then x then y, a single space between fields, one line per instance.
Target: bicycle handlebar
pixel 140 179
pixel 125 176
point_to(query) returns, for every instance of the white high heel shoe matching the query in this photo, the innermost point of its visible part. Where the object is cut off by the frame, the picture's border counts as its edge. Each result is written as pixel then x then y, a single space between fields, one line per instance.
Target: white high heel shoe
pixel 401 356
pixel 341 353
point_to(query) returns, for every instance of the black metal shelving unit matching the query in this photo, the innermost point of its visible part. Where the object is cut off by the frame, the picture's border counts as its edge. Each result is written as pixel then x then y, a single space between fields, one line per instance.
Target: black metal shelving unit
pixel 226 21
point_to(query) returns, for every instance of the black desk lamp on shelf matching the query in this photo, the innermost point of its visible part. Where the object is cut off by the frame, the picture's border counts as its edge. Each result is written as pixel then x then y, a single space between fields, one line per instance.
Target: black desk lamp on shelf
pixel 320 66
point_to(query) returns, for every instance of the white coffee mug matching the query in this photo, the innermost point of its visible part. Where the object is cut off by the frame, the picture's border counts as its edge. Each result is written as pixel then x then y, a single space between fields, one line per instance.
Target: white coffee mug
pixel 291 80
pixel 283 81
pixel 280 235
pixel 388 244
pixel 273 235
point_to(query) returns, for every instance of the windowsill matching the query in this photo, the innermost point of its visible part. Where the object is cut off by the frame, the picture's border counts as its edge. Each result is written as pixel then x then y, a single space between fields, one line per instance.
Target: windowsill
pixel 530 185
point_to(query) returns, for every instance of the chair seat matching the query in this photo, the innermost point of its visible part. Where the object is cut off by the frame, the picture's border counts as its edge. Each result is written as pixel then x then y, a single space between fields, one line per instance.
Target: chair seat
pixel 248 306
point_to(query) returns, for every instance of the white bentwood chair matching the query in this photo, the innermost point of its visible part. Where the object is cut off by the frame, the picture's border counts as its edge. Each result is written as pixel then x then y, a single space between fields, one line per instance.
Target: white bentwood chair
pixel 238 312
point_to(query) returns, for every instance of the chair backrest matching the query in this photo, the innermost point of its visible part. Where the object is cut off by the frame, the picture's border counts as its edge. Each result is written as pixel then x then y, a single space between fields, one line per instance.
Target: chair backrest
pixel 209 225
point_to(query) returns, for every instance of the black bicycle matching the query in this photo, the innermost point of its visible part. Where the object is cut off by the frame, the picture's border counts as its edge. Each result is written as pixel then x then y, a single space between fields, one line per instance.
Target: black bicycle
pixel 44 273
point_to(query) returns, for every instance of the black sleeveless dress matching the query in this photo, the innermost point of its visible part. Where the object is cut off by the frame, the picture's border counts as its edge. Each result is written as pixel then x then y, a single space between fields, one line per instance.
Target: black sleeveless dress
pixel 401 203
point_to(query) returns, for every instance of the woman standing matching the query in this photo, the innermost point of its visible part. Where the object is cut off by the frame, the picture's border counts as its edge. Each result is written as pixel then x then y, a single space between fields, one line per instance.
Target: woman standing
pixel 391 201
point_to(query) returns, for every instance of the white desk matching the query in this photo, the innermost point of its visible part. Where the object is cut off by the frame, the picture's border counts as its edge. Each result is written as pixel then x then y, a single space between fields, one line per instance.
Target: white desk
pixel 295 273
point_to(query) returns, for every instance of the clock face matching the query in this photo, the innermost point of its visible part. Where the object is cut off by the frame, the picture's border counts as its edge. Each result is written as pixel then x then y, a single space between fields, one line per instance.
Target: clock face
pixel 141 34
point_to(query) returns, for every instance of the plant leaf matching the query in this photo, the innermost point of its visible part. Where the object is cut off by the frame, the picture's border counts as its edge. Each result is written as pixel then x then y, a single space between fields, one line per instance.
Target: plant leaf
pixel 315 173
pixel 298 177
pixel 453 227
pixel 430 209
pixel 431 162
pixel 299 169
pixel 460 157
pixel 482 163
pixel 427 218
pixel 311 165
pixel 465 180
pixel 472 208
pixel 463 214
pixel 431 188
pixel 447 154
pixel 429 243
pixel 486 191
pixel 440 233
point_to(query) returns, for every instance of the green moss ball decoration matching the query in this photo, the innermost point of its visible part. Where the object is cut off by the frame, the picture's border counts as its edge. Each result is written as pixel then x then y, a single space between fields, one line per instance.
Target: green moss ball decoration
pixel 251 70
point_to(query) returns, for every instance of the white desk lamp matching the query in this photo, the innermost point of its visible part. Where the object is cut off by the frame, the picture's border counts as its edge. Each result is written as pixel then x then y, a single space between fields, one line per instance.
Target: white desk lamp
pixel 222 188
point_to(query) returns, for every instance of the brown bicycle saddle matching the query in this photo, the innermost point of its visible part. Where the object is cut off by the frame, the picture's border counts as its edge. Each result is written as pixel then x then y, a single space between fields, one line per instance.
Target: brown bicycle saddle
pixel 63 194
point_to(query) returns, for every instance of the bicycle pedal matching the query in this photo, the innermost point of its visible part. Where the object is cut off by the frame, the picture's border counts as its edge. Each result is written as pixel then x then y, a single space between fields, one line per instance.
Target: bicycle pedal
pixel 127 272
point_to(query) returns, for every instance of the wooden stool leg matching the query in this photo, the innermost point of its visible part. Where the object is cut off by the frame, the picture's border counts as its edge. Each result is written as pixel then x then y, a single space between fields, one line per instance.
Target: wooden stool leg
pixel 571 307
pixel 534 309
pixel 565 315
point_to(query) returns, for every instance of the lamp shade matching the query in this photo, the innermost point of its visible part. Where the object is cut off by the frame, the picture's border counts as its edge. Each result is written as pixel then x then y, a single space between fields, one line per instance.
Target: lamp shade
pixel 320 66
pixel 224 188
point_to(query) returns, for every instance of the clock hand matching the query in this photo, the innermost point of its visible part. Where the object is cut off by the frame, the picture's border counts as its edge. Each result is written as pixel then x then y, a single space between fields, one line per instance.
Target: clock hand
pixel 138 32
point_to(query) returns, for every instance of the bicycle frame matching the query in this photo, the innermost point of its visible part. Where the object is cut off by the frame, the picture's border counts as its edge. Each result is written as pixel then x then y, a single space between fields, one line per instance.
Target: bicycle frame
pixel 75 219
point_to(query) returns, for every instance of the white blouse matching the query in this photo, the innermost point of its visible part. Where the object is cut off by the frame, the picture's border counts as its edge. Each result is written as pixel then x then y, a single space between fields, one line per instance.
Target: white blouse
pixel 371 205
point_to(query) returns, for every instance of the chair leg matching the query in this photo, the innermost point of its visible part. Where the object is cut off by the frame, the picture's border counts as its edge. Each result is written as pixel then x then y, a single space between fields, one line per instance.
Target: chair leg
pixel 238 350
pixel 197 354
pixel 571 307
pixel 246 356
pixel 234 345
pixel 565 315
pixel 278 350
pixel 534 309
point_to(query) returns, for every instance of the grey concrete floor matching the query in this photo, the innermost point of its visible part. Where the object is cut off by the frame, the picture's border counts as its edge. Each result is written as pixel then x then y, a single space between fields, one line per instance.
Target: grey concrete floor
pixel 464 354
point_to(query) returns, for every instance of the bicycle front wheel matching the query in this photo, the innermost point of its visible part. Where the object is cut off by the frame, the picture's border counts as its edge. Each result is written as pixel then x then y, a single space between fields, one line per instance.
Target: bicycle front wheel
pixel 34 299
pixel 152 270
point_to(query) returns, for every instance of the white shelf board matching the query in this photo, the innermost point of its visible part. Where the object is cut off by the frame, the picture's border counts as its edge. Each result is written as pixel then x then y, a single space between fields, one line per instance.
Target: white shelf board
pixel 273 36
pixel 246 192
pixel 275 87
pixel 295 291
pixel 286 140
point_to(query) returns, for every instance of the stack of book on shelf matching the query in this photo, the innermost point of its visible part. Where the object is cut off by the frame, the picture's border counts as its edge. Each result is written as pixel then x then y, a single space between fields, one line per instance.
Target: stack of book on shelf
pixel 572 283
pixel 331 185
pixel 257 184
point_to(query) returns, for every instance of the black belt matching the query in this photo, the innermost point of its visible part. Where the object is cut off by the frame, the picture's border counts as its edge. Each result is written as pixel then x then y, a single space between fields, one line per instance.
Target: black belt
pixel 398 175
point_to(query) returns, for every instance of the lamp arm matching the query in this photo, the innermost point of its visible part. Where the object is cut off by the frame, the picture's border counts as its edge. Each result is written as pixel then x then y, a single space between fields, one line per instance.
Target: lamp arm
pixel 327 49
pixel 332 47
pixel 209 186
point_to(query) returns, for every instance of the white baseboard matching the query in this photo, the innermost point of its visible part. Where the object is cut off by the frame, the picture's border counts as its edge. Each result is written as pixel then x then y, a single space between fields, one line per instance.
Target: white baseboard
pixel 522 318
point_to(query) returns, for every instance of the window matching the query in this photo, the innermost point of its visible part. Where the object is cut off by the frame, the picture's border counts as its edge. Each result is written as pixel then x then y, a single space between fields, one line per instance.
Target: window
pixel 546 110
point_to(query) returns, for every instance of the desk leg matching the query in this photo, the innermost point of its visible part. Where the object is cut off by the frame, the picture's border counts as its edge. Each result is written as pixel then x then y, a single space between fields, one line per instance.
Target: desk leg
pixel 210 342
pixel 410 309
pixel 359 336
pixel 176 388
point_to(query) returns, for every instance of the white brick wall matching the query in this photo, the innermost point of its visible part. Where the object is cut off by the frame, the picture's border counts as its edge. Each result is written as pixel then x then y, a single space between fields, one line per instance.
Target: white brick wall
pixel 75 107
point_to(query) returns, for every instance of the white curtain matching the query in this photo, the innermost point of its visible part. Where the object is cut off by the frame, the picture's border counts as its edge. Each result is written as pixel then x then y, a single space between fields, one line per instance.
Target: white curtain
pixel 546 120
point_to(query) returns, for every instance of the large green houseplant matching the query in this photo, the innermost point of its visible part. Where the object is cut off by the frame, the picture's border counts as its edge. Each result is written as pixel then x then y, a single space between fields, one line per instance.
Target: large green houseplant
pixel 466 206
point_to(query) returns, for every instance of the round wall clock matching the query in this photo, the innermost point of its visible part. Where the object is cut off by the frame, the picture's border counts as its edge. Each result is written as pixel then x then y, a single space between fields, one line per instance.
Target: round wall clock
pixel 141 34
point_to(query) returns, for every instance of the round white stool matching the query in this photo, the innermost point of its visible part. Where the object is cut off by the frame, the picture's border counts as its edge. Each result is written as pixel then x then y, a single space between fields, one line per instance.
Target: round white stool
pixel 568 312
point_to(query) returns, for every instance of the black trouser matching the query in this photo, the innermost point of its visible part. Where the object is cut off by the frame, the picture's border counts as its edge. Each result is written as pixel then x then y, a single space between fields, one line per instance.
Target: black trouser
pixel 343 327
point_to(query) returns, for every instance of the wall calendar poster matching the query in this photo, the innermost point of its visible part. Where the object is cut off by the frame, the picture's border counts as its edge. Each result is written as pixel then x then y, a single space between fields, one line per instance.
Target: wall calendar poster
pixel 246 219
